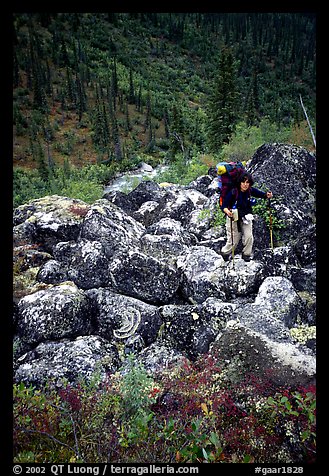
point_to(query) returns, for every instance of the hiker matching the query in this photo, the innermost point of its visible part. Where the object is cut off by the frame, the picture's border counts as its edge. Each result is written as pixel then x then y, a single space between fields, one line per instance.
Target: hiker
pixel 237 206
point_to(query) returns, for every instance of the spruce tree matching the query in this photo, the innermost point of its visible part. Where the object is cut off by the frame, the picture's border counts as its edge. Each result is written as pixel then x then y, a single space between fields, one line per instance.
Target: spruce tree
pixel 252 105
pixel 147 123
pixel 166 123
pixel 42 167
pixel 177 130
pixel 222 107
pixel 115 134
pixel 81 98
pixel 114 81
pixel 139 105
pixel 127 120
pixel 131 96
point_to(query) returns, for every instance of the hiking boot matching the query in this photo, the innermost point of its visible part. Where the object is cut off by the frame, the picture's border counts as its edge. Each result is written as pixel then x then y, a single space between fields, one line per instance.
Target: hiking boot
pixel 225 257
pixel 246 257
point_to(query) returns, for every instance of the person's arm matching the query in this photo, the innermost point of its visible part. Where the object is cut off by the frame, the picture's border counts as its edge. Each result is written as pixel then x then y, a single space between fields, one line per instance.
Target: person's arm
pixel 226 206
pixel 260 194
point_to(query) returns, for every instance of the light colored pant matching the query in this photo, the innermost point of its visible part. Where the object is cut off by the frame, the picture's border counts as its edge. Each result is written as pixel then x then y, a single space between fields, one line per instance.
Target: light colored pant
pixel 247 237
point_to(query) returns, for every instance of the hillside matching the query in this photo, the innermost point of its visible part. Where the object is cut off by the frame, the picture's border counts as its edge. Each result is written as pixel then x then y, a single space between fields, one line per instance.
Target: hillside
pixel 182 89
pixel 112 88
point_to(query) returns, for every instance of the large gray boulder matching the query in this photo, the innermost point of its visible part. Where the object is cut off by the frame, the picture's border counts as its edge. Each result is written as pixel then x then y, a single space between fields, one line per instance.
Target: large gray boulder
pixel 186 329
pixel 109 225
pixel 118 317
pixel 144 277
pixel 275 310
pixel 48 220
pixel 245 354
pixel 84 262
pixel 290 172
pixel 58 361
pixel 53 313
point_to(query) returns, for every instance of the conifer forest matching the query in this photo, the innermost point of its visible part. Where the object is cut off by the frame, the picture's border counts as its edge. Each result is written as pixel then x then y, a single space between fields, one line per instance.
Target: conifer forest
pixel 95 94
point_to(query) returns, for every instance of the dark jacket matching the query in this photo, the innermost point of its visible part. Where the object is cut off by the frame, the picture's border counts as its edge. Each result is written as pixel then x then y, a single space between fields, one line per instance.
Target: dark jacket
pixel 242 200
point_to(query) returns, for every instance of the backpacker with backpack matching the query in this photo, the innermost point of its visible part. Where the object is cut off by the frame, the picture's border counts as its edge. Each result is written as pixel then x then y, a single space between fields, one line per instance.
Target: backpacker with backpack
pixel 228 177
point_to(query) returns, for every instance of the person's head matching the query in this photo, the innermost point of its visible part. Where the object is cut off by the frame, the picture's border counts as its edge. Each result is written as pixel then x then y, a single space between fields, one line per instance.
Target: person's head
pixel 246 181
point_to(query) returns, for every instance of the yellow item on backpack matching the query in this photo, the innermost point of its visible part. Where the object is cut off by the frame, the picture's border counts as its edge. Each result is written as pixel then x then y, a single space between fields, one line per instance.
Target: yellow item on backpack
pixel 221 169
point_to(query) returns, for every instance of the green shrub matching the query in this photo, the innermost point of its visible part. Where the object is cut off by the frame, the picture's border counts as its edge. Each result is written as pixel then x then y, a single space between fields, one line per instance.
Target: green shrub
pixel 183 171
pixel 247 139
pixel 85 183
pixel 262 209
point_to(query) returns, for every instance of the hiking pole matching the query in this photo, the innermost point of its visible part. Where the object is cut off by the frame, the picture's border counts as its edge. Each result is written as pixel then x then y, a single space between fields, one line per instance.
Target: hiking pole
pixel 231 218
pixel 271 223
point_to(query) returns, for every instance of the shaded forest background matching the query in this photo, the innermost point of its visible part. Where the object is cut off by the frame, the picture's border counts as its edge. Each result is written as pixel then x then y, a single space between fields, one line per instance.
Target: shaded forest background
pixel 95 94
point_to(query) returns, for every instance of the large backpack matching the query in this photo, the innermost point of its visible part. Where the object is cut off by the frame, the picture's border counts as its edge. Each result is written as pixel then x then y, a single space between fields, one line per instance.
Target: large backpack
pixel 228 177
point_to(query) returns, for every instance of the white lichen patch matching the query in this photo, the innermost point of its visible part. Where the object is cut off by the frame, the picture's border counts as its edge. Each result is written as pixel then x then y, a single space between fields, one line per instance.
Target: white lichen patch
pixel 303 333
pixel 289 355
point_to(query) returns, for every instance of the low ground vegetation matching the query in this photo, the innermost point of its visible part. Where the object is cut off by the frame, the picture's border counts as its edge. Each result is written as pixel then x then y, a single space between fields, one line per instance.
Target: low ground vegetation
pixel 189 414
